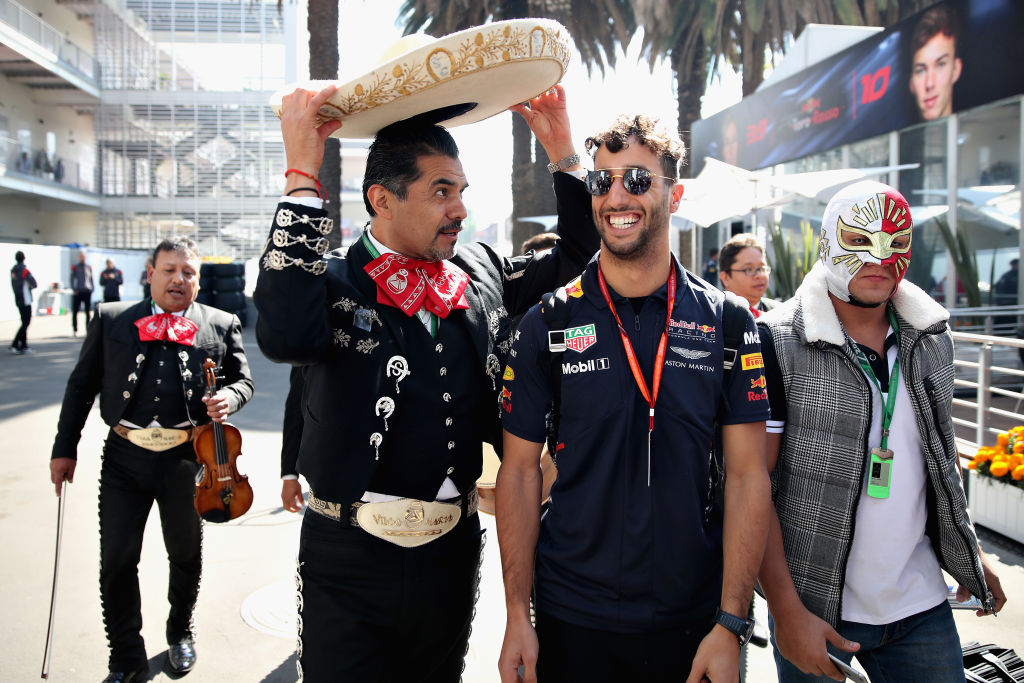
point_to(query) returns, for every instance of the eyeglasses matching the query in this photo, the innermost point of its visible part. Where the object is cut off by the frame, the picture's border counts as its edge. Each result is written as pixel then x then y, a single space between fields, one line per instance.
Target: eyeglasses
pixel 751 272
pixel 635 180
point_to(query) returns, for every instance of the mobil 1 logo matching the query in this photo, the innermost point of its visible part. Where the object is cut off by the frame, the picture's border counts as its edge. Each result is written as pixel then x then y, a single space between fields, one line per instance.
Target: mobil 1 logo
pixel 585 366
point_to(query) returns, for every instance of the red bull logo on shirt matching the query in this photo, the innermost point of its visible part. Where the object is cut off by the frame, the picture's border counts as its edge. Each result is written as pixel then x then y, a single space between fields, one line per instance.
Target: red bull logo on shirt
pixel 580 338
pixel 574 289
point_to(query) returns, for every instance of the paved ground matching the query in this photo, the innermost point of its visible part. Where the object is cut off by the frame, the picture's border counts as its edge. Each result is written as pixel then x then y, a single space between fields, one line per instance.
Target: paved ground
pixel 246 606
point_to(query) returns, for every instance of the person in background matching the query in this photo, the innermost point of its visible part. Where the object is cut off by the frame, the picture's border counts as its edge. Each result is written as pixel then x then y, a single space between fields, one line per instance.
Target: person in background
pixel 542 241
pixel 743 271
pixel 22 283
pixel 111 280
pixel 144 279
pixel 81 288
pixel 935 65
pixel 710 273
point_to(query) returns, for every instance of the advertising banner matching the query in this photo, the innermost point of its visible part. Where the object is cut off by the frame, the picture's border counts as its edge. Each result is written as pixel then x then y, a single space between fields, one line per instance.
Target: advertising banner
pixel 953 56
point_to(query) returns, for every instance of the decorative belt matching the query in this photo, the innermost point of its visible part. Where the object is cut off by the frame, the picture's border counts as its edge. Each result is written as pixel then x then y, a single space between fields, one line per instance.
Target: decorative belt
pixel 407 522
pixel 154 439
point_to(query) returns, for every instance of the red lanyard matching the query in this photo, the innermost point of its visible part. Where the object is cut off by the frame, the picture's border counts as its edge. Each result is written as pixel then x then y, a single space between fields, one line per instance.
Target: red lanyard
pixel 659 363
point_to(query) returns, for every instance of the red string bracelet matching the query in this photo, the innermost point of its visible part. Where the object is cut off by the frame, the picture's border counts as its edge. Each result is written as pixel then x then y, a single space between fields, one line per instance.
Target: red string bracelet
pixel 319 188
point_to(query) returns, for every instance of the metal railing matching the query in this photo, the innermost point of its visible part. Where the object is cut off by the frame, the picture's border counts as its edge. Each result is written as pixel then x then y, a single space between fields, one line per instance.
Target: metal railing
pixel 37 164
pixel 989 368
pixel 35 29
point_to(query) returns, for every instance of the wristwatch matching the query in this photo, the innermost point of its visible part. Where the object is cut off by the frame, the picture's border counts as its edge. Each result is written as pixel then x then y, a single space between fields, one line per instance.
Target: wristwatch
pixel 563 164
pixel 742 628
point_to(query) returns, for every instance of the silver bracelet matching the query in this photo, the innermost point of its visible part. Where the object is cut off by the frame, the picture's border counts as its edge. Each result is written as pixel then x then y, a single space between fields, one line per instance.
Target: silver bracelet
pixel 563 164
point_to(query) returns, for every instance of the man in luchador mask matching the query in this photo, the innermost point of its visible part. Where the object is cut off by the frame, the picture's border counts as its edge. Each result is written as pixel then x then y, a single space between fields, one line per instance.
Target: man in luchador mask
pixel 869 501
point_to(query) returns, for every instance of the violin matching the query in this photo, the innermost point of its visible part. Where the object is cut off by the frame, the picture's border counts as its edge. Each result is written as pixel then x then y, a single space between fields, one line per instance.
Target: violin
pixel 222 493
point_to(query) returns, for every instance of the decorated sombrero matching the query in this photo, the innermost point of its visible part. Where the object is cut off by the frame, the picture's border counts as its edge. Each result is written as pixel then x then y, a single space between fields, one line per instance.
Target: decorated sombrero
pixel 461 78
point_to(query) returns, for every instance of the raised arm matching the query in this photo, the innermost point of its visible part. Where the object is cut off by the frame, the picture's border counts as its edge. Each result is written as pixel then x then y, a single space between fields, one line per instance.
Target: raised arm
pixel 293 321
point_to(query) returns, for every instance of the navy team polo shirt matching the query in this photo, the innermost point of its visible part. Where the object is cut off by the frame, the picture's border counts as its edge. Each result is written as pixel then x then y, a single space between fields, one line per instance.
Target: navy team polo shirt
pixel 614 553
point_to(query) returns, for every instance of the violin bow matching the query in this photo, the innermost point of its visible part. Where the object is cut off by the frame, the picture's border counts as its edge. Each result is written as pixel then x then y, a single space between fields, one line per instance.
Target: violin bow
pixel 56 567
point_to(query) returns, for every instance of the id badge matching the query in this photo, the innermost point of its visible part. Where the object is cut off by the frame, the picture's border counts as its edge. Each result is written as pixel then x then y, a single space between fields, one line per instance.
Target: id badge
pixel 879 472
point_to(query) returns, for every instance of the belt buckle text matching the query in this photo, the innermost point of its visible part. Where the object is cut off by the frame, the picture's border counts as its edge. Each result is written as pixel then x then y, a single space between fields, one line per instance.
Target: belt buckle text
pixel 157 438
pixel 408 522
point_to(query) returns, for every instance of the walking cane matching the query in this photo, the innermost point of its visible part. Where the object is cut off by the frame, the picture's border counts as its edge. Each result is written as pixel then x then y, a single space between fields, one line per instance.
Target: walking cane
pixel 56 567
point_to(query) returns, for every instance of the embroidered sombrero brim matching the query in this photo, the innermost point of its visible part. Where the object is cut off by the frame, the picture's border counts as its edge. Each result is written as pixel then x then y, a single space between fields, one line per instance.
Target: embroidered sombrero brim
pixel 461 78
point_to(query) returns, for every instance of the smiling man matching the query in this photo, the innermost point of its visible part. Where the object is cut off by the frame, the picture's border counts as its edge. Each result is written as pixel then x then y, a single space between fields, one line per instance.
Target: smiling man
pixel 633 578
pixel 145 360
pixel 935 65
pixel 402 339
pixel 869 500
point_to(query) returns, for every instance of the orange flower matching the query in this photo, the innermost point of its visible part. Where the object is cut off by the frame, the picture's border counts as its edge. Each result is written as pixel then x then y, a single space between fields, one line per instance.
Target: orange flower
pixel 973 465
pixel 1018 447
pixel 983 455
pixel 1018 473
pixel 999 468
pixel 1002 440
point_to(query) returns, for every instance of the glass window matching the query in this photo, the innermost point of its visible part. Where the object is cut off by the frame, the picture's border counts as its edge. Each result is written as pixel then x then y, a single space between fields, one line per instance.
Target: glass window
pixel 988 198
pixel 925 190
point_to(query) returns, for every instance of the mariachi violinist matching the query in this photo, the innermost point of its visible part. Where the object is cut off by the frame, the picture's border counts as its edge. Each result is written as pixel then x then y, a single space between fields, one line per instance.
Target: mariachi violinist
pixel 145 360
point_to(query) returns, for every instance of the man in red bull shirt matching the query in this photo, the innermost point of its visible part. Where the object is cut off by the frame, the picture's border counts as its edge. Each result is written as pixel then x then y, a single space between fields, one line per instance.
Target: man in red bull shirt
pixel 636 575
pixel 869 501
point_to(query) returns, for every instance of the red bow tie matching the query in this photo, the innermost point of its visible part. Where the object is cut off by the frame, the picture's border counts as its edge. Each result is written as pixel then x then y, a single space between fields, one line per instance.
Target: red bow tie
pixel 407 284
pixel 165 326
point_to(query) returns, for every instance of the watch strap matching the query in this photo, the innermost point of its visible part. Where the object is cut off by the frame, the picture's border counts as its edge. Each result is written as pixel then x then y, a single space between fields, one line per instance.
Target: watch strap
pixel 742 628
pixel 563 164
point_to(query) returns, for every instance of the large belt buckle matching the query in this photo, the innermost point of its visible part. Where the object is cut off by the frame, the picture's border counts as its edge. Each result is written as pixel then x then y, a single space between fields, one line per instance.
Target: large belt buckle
pixel 157 439
pixel 408 522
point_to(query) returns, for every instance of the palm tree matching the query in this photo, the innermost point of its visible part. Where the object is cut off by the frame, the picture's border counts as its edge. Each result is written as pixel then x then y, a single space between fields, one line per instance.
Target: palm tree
pixel 597 28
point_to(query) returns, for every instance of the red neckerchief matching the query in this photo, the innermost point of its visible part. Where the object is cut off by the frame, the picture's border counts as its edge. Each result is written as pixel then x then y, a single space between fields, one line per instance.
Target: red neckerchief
pixel 166 326
pixel 755 311
pixel 407 284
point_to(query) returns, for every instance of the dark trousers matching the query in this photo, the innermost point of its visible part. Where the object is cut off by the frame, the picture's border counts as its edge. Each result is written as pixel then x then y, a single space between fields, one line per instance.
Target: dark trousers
pixel 131 479
pixel 108 298
pixel 80 299
pixel 21 338
pixel 576 653
pixel 372 611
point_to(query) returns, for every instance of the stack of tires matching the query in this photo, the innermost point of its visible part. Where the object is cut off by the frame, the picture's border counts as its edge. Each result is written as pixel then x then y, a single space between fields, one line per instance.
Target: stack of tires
pixel 222 285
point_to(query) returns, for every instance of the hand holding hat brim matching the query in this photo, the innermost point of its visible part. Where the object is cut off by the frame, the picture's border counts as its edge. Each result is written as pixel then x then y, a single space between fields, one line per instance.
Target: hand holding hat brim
pixel 303 131
pixel 548 118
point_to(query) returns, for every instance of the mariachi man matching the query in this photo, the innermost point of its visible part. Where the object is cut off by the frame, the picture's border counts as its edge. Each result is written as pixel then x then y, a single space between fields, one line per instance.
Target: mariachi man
pixel 403 340
pixel 146 360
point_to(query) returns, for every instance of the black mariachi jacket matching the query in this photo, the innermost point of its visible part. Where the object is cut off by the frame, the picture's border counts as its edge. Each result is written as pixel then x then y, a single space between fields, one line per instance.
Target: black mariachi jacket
pixel 112 357
pixel 322 313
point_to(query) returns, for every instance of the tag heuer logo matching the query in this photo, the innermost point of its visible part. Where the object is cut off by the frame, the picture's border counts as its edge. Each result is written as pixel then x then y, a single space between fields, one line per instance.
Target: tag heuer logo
pixel 580 338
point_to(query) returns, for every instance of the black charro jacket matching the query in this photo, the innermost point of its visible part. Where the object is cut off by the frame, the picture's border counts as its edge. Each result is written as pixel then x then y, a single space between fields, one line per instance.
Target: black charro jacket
pixel 316 316
pixel 112 356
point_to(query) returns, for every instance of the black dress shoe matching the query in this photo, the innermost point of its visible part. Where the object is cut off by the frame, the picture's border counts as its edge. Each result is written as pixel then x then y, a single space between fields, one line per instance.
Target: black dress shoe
pixel 181 656
pixel 127 676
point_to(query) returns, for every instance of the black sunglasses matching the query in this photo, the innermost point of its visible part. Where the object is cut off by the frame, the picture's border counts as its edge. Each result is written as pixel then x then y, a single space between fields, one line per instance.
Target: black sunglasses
pixel 635 180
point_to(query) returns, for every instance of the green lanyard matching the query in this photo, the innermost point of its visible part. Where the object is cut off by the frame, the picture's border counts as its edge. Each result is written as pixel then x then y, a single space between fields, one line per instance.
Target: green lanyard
pixel 894 381
pixel 376 254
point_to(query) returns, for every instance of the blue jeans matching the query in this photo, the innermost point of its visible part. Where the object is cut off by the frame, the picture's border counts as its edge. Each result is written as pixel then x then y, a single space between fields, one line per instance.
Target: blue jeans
pixel 923 647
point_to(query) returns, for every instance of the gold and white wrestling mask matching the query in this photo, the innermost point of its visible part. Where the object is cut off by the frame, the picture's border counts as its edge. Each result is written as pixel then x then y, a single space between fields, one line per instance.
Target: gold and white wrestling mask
pixel 866 222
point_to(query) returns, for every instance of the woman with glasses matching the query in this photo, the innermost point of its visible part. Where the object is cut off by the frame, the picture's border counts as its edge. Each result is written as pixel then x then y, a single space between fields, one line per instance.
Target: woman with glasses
pixel 743 271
